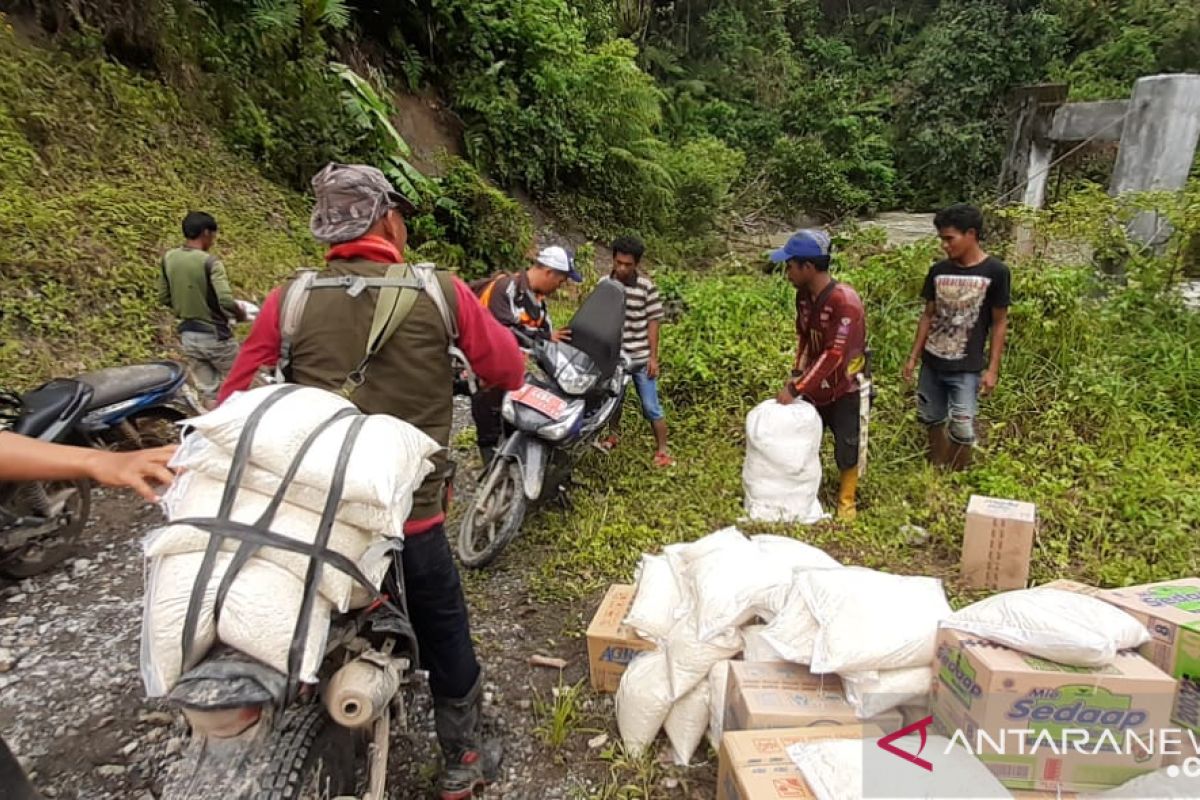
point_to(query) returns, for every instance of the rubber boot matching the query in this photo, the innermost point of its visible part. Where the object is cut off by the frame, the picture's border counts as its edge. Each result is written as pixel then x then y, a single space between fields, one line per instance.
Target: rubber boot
pixel 939 446
pixel 960 455
pixel 471 763
pixel 846 491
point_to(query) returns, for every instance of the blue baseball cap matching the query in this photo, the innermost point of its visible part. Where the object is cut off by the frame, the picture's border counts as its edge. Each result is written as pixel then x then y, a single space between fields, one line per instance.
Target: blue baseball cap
pixel 803 244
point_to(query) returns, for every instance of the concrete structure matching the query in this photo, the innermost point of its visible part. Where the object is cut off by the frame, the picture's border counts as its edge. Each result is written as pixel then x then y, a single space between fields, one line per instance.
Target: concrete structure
pixel 1157 128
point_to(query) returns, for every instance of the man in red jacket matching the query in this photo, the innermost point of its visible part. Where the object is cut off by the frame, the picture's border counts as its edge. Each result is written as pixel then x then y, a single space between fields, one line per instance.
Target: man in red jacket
pixel 408 374
pixel 830 370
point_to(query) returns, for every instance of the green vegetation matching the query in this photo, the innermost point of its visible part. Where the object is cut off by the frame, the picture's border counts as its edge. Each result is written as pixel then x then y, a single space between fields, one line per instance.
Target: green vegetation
pixel 1094 420
pixel 97 168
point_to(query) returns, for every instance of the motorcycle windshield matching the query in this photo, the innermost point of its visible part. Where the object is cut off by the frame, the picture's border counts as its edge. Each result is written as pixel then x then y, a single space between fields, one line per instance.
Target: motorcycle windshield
pixel 598 325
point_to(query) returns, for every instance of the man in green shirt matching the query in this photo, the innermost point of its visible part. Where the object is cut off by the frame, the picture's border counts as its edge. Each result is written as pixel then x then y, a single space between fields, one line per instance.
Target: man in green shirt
pixel 194 284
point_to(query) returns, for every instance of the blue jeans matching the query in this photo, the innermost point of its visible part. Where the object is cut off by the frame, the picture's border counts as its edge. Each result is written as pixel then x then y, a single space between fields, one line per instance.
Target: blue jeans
pixel 647 391
pixel 951 397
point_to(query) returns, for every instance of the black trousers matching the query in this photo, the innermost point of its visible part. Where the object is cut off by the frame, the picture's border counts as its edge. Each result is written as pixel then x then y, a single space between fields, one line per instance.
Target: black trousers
pixel 13 783
pixel 485 410
pixel 438 611
pixel 841 418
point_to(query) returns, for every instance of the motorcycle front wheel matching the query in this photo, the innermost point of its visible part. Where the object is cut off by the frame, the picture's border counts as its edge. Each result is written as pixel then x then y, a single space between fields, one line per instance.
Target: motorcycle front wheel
pixel 494 517
pixel 26 550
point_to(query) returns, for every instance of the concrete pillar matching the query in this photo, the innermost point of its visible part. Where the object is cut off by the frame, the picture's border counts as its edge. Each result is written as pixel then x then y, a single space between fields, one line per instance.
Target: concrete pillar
pixel 1158 143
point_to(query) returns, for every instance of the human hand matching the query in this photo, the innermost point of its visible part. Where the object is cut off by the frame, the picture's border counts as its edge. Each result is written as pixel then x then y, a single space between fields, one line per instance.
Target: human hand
pixel 652 368
pixel 561 335
pixel 907 373
pixel 136 470
pixel 785 398
pixel 987 383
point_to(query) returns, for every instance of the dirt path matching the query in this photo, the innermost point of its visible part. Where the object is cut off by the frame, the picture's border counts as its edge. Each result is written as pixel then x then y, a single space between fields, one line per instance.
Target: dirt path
pixel 73 709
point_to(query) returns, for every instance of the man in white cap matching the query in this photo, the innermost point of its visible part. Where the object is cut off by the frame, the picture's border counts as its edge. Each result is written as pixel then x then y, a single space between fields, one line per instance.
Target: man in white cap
pixel 519 302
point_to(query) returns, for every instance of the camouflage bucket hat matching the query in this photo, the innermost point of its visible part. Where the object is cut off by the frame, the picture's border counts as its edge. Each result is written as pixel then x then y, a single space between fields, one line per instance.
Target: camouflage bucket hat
pixel 350 199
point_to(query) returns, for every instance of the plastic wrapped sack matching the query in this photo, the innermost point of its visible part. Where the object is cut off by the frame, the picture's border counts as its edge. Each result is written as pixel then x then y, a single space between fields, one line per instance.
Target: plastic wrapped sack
pixel 834 770
pixel 199 455
pixel 875 693
pixel 793 631
pixel 643 701
pixel 389 460
pixel 687 722
pixel 782 471
pixel 258 617
pixel 786 556
pixel 690 659
pixel 718 679
pixel 1060 626
pixel 756 647
pixel 197 495
pixel 658 601
pixel 872 620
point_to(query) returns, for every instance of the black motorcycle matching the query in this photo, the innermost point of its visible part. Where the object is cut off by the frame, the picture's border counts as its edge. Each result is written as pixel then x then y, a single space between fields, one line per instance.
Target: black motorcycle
pixel 121 408
pixel 563 407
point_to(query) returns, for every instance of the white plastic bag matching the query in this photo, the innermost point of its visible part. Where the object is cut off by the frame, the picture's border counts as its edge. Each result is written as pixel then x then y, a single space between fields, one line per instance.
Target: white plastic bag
pixel 388 462
pixel 785 556
pixel 197 495
pixel 659 600
pixel 756 647
pixel 689 659
pixel 683 554
pixel 1157 785
pixel 643 701
pixel 1057 625
pixel 199 455
pixel 872 620
pixel 258 617
pixel 718 678
pixel 874 694
pixel 782 471
pixel 834 770
pixel 731 586
pixel 793 631
pixel 687 722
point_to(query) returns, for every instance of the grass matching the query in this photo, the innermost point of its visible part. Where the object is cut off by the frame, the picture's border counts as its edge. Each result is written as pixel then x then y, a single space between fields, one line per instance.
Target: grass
pixel 97 168
pixel 561 716
pixel 1094 421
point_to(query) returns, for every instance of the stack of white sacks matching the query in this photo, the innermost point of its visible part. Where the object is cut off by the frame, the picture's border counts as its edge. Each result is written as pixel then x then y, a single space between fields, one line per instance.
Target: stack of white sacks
pixel 697 602
pixel 389 460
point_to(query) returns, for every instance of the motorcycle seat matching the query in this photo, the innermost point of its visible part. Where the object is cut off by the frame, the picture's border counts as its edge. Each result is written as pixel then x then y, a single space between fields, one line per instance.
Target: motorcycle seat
pixel 42 407
pixel 115 384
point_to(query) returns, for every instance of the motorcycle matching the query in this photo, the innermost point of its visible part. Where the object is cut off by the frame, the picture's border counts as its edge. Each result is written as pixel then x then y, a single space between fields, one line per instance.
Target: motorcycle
pixel 122 408
pixel 562 408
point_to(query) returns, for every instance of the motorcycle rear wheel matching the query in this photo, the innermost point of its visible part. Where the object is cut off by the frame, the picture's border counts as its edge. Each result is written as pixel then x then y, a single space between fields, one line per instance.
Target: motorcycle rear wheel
pixel 307 757
pixel 484 533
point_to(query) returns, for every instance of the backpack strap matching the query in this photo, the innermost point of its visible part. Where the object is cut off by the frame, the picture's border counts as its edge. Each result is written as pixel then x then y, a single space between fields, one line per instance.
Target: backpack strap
pixel 291 309
pixel 398 292
pixel 437 286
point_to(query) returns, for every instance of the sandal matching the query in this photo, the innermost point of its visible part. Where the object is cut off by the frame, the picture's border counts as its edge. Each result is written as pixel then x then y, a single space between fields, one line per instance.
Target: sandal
pixel 662 459
pixel 607 444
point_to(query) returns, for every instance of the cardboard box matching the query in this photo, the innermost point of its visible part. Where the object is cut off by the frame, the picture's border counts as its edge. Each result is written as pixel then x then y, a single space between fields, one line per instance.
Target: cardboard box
pixel 771 694
pixel 983 687
pixel 1073 586
pixel 754 765
pixel 1170 610
pixel 611 643
pixel 997 543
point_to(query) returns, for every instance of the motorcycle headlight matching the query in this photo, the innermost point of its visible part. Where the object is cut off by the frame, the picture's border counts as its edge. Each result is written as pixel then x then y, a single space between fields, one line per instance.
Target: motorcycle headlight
pixel 573 370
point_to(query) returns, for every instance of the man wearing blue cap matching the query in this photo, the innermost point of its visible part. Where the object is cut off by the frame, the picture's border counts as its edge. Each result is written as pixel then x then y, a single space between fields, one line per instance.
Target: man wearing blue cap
pixel 831 355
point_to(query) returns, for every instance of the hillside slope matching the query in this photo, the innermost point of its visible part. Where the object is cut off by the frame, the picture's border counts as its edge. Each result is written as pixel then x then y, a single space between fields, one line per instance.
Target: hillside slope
pixel 97 168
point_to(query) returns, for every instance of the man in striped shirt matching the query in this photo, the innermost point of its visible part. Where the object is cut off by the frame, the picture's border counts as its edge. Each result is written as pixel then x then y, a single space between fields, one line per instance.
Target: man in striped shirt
pixel 643 314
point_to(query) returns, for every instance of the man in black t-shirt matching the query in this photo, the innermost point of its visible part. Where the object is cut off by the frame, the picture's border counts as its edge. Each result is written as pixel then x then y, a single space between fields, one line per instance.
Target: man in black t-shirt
pixel 966 297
